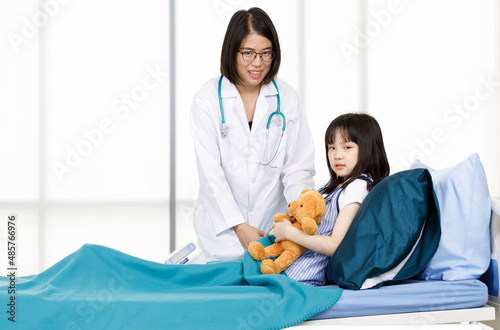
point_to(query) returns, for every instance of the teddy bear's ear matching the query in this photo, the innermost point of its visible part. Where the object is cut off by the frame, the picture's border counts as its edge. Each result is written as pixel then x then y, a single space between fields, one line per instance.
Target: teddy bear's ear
pixel 304 191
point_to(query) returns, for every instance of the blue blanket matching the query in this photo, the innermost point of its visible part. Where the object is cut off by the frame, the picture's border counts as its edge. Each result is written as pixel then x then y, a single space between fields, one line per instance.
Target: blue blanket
pixel 101 288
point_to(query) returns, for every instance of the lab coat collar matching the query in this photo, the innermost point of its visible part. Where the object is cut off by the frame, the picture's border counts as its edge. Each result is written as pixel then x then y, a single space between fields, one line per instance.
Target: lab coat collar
pixel 263 105
pixel 268 89
pixel 229 90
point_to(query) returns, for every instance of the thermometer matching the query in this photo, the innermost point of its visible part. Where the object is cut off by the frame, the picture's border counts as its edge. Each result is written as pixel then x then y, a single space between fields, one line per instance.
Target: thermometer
pixel 184 255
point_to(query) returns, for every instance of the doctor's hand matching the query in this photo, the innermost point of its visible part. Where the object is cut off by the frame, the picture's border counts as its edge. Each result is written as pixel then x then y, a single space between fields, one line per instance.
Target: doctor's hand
pixel 282 229
pixel 247 234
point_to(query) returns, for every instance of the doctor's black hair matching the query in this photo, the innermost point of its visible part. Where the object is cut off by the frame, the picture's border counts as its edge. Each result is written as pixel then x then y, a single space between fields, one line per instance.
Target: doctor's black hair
pixel 365 131
pixel 243 23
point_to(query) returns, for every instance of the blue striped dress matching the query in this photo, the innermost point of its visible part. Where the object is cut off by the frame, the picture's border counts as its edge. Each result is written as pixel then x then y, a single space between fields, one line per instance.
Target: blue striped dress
pixel 310 267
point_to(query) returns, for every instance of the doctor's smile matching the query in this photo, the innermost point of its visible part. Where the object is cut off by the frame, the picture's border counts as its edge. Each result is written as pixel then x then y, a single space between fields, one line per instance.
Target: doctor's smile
pixel 255 74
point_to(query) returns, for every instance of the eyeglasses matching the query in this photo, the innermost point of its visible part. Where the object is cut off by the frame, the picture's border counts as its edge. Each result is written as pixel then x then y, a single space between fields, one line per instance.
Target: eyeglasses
pixel 249 56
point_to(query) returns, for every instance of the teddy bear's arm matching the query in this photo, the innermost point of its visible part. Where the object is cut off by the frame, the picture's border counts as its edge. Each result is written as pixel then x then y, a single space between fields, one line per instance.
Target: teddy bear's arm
pixel 280 216
pixel 309 226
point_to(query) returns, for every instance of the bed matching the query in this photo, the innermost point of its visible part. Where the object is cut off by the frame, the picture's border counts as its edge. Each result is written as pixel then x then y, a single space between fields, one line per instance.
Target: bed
pixel 464 300
pixel 437 303
pixel 445 272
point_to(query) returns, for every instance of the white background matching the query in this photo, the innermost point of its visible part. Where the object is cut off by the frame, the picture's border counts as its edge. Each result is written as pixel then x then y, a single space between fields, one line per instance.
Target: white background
pixel 85 103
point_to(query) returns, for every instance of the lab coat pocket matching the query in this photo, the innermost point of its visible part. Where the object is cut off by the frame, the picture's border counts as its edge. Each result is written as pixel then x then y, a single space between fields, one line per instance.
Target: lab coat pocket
pixel 273 147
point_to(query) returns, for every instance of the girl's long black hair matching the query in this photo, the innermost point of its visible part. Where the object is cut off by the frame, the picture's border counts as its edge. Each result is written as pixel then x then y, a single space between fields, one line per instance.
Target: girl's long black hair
pixel 363 130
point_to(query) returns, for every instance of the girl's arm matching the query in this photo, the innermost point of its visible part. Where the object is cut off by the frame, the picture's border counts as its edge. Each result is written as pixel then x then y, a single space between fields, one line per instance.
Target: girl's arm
pixel 326 245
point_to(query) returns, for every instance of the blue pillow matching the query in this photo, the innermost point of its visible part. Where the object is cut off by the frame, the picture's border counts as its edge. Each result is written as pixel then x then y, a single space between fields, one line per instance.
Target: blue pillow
pixel 393 235
pixel 465 207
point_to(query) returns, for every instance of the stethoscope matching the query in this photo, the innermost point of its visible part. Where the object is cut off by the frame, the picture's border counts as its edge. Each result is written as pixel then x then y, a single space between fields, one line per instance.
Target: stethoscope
pixel 223 129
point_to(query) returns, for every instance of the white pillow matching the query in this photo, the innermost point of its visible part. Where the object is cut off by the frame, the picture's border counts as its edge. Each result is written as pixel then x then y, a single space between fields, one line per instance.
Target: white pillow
pixel 465 208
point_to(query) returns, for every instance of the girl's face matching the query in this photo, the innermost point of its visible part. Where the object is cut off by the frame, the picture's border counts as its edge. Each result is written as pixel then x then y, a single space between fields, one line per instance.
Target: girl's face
pixel 252 73
pixel 343 156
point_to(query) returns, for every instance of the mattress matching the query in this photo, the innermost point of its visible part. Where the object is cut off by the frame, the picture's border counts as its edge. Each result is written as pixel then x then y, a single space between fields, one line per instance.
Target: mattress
pixel 407 296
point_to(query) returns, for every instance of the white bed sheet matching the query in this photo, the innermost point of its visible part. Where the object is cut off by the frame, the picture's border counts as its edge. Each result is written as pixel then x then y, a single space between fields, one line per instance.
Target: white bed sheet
pixel 408 296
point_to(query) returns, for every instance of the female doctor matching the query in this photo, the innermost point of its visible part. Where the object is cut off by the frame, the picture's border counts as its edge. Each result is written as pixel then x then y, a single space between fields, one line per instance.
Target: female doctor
pixel 253 145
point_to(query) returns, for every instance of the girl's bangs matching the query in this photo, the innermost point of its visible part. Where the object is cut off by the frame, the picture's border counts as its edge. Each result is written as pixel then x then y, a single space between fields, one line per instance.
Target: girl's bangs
pixel 343 132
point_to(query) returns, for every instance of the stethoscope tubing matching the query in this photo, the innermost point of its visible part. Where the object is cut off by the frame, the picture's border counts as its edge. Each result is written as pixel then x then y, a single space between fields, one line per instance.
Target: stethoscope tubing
pixel 277 112
pixel 224 131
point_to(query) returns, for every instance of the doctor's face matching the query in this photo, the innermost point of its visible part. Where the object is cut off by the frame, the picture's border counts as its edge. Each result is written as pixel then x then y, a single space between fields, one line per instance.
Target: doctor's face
pixel 252 73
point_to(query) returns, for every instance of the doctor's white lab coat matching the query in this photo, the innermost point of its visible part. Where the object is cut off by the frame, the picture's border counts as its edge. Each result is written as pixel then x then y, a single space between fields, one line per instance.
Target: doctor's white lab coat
pixel 234 187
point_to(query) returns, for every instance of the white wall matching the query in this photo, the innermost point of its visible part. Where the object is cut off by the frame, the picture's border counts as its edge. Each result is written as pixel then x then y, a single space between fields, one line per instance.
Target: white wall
pixel 84 127
pixel 434 84
pixel 87 93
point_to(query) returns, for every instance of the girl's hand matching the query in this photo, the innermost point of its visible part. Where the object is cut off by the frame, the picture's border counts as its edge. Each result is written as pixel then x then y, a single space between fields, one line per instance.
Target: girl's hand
pixel 281 229
pixel 247 234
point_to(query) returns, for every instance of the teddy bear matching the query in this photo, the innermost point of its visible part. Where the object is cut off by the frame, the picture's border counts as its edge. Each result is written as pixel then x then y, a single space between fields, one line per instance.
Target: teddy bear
pixel 305 214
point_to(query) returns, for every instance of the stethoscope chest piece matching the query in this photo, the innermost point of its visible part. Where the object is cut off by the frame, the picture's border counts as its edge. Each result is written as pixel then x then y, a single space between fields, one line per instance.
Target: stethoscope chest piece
pixel 223 130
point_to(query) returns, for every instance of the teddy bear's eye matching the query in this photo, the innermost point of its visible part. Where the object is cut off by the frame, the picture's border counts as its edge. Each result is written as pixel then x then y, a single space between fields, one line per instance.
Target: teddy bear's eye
pixel 301 205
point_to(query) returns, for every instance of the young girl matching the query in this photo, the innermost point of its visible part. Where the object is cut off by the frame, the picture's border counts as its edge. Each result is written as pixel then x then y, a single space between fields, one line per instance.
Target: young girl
pixel 357 162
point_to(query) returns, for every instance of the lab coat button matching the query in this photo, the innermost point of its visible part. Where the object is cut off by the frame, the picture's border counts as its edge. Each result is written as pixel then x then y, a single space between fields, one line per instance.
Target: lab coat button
pixel 254 180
